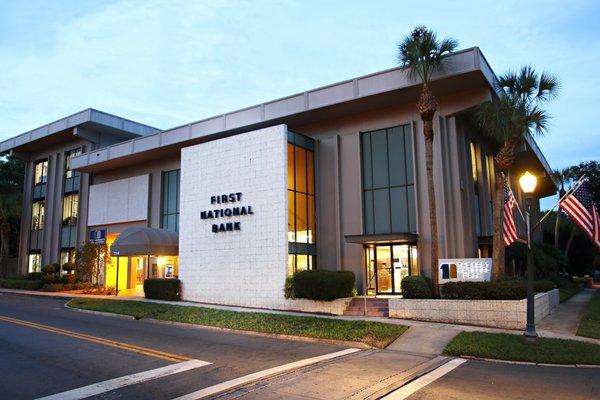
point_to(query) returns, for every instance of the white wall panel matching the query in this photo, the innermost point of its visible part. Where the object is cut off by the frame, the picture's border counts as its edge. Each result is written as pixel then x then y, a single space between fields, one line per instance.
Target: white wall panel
pixel 123 200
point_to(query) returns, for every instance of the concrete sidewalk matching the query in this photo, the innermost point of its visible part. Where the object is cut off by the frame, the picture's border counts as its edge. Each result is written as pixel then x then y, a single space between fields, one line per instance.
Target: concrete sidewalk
pixel 565 319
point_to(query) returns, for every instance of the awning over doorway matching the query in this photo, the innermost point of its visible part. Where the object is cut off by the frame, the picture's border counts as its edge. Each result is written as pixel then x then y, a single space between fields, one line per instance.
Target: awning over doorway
pixel 383 238
pixel 145 241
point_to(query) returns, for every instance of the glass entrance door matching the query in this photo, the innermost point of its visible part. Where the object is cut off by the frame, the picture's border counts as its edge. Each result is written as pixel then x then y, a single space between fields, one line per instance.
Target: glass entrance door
pixel 386 265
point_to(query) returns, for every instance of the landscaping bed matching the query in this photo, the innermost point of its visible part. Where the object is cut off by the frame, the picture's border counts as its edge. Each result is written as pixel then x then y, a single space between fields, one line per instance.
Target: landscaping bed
pixel 375 334
pixel 502 346
pixel 590 323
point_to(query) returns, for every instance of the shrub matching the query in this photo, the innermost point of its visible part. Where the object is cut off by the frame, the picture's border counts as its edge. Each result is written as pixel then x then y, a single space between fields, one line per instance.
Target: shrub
pixel 543 286
pixel 49 279
pixel 23 284
pixel 68 267
pixel 104 291
pixel 501 290
pixel 49 269
pixel 416 287
pixel 323 284
pixel 162 289
pixel 288 290
pixel 34 276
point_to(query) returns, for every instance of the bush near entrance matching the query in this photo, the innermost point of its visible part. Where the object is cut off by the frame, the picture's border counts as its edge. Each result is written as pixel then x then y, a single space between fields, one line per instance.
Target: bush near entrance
pixel 416 287
pixel 162 289
pixel 23 284
pixel 323 284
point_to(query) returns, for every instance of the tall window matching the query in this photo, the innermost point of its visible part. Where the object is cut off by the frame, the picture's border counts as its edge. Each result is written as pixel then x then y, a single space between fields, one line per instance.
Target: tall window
pixel 35 262
pixel 170 200
pixel 475 175
pixel 388 181
pixel 37 215
pixel 489 167
pixel 70 209
pixel 40 173
pixel 301 203
pixel 68 158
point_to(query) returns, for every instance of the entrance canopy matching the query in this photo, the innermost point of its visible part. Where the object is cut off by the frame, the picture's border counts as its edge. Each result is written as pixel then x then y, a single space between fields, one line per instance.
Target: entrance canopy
pixel 145 241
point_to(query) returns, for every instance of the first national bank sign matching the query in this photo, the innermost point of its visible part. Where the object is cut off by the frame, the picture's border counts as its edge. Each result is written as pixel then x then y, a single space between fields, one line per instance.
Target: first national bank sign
pixel 231 208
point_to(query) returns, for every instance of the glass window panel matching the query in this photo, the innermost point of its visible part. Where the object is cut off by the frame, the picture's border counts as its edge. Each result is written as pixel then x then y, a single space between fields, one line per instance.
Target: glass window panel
pixel 477 216
pixel 366 161
pixel 291 218
pixel 311 220
pixel 381 203
pixel 301 218
pixel 37 215
pixel 384 269
pixel 414 261
pixel 396 156
pixel 302 262
pixel 380 159
pixel 412 215
pixel 399 209
pixel 290 164
pixel 300 162
pixel 401 265
pixel 291 264
pixel 310 174
pixel 34 263
pixel 473 161
pixel 172 192
pixel 408 149
pixel 368 211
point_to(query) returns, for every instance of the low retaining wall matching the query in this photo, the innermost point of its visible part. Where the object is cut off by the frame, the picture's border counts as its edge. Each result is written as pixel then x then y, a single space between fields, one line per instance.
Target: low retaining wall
pixel 507 314
pixel 334 307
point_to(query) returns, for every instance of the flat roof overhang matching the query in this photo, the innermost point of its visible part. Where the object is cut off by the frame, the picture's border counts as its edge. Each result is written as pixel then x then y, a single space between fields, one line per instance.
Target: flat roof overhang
pixel 467 69
pixel 62 131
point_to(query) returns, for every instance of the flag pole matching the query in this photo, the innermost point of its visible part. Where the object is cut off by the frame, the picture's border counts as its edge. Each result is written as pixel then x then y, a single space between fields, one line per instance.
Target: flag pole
pixel 568 193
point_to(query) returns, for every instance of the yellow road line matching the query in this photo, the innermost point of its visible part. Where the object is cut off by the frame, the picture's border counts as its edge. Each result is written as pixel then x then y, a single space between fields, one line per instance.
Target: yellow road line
pixel 98 340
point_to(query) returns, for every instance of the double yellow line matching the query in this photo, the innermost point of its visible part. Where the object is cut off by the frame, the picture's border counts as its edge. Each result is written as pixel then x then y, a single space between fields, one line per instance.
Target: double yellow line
pixel 98 340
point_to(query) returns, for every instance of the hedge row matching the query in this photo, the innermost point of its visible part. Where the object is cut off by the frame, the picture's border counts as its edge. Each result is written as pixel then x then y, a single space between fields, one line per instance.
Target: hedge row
pixel 320 284
pixel 417 287
pixel 23 284
pixel 514 289
pixel 163 289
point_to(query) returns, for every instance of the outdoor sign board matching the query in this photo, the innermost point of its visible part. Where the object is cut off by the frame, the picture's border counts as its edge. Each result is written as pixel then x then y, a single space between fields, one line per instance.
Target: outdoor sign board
pixel 465 269
pixel 98 236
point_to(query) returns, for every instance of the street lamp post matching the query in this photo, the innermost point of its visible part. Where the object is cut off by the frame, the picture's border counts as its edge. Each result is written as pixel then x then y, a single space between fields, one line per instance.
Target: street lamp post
pixel 528 183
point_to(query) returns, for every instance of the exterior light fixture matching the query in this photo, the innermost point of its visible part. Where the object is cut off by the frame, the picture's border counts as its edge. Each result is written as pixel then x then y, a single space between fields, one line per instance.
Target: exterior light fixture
pixel 528 182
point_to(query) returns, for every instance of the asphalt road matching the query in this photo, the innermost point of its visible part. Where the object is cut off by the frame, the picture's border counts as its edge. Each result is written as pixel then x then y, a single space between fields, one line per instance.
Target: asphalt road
pixel 46 349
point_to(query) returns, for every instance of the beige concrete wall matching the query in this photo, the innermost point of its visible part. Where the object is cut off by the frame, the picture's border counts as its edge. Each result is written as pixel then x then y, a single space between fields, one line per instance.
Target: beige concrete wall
pixel 339 196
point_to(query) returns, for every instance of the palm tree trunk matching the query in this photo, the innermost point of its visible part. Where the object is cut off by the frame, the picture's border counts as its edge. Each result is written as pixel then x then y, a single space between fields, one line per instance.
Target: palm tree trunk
pixel 569 241
pixel 428 127
pixel 498 217
pixel 557 227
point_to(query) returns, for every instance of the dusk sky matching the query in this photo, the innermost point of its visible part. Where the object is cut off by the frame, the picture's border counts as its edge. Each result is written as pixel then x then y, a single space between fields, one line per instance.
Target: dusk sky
pixel 166 63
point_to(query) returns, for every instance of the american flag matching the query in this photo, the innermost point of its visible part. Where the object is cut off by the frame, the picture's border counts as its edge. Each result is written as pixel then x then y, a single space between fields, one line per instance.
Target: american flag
pixel 580 207
pixel 510 230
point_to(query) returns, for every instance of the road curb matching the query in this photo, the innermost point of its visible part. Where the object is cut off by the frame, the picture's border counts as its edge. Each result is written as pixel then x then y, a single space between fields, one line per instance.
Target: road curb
pixel 530 363
pixel 359 345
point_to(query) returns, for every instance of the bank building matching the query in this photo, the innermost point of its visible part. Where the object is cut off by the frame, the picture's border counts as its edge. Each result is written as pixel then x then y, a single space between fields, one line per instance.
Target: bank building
pixel 330 178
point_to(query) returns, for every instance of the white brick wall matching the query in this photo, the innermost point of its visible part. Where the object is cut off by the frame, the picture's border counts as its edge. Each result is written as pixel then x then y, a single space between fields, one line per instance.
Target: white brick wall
pixel 246 267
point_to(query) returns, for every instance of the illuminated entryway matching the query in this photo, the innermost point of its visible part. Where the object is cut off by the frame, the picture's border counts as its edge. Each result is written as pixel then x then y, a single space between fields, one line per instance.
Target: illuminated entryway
pixel 387 264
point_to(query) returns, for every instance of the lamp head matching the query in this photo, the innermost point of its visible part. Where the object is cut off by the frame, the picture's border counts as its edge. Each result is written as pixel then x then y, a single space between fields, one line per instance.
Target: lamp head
pixel 528 182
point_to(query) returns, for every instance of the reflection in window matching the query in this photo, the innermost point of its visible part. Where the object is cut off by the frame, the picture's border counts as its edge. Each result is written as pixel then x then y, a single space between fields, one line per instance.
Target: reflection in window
pixel 67 256
pixel 40 173
pixel 170 200
pixel 37 215
pixel 70 209
pixel 473 153
pixel 35 263
pixel 489 167
pixel 388 181
pixel 301 202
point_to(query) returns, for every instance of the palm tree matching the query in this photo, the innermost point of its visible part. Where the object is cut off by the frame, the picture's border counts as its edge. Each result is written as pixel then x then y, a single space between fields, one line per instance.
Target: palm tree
pixel 423 54
pixel 507 119
pixel 11 186
pixel 562 177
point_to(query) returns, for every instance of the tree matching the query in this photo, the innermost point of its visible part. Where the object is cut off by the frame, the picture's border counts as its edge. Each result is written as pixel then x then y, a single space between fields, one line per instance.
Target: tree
pixel 11 192
pixel 591 169
pixel 90 260
pixel 423 54
pixel 507 119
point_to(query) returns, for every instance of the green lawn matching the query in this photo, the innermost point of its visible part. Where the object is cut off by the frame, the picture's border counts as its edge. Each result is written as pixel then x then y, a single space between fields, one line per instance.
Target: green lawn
pixel 375 334
pixel 503 346
pixel 568 291
pixel 590 323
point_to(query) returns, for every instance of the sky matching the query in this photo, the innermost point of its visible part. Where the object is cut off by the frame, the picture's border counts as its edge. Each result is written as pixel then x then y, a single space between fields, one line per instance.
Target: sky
pixel 167 63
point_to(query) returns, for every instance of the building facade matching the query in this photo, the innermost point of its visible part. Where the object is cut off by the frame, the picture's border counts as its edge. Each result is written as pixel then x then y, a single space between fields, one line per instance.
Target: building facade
pixel 332 178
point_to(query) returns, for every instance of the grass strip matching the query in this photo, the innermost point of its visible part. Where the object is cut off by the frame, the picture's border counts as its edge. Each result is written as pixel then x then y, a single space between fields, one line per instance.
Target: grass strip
pixel 504 346
pixel 376 334
pixel 589 325
pixel 568 291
